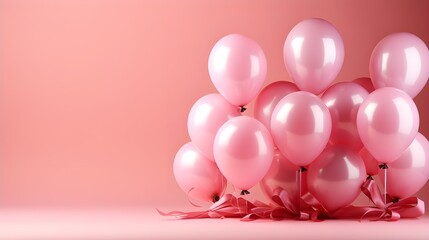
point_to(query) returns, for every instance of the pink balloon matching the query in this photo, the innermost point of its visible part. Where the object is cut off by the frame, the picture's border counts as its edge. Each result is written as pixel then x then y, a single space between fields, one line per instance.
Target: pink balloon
pixel 282 175
pixel 268 99
pixel 336 177
pixel 371 164
pixel 207 115
pixel 343 101
pixel 410 172
pixel 313 54
pixel 400 60
pixel 387 122
pixel 197 175
pixel 237 68
pixel 366 83
pixel 301 126
pixel 243 151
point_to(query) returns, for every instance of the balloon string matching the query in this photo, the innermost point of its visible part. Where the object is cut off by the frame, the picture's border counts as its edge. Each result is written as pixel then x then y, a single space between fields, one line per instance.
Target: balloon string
pixel 385 186
pixel 189 198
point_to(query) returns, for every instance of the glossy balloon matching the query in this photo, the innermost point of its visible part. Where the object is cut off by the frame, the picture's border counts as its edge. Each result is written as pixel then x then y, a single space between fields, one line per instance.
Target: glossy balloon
pixel 343 101
pixel 243 150
pixel 371 164
pixel 313 54
pixel 366 83
pixel 388 121
pixel 410 172
pixel 301 126
pixel 283 175
pixel 207 115
pixel 237 68
pixel 335 178
pixel 400 60
pixel 268 99
pixel 197 175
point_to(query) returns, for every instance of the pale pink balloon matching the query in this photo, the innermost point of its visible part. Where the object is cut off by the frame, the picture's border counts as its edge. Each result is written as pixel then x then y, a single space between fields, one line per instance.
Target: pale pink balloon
pixel 335 177
pixel 301 126
pixel 400 60
pixel 207 115
pixel 387 122
pixel 366 83
pixel 243 151
pixel 283 175
pixel 343 101
pixel 313 54
pixel 371 164
pixel 268 99
pixel 197 175
pixel 237 68
pixel 410 172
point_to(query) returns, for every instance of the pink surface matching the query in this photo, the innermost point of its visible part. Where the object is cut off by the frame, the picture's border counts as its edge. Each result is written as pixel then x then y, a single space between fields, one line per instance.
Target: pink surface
pixel 94 99
pixel 144 224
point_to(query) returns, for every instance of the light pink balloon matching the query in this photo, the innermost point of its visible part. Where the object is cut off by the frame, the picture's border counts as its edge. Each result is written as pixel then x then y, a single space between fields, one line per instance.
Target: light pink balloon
pixel 207 115
pixel 400 60
pixel 197 175
pixel 237 68
pixel 283 175
pixel 366 83
pixel 301 126
pixel 410 172
pixel 343 101
pixel 268 99
pixel 313 54
pixel 387 122
pixel 336 177
pixel 243 151
pixel 371 164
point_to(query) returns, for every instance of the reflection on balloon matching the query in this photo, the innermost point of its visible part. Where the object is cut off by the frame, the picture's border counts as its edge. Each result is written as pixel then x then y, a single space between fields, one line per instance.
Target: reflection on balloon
pixel 237 68
pixel 387 122
pixel 268 99
pixel 313 54
pixel 410 172
pixel 400 60
pixel 207 115
pixel 343 101
pixel 243 150
pixel 301 126
pixel 335 177
pixel 197 175
pixel 282 175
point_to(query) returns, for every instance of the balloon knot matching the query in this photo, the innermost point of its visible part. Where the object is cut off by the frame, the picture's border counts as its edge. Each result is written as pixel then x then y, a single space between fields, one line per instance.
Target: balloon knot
pixel 302 169
pixel 395 200
pixel 242 109
pixel 215 198
pixel 383 166
pixel 369 177
pixel 244 192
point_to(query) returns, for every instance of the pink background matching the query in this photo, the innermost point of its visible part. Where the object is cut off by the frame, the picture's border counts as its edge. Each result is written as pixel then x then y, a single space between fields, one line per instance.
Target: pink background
pixel 94 95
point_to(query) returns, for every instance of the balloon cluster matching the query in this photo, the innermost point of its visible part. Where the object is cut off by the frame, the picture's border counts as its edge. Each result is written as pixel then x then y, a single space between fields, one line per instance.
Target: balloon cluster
pixel 308 136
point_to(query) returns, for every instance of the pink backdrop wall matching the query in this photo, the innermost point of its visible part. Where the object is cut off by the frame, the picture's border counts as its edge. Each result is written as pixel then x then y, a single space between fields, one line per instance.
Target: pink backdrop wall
pixel 94 95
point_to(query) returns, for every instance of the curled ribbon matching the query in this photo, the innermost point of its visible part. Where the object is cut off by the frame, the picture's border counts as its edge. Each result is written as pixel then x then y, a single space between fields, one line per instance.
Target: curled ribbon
pixel 410 207
pixel 230 206
pixel 283 209
pixel 227 207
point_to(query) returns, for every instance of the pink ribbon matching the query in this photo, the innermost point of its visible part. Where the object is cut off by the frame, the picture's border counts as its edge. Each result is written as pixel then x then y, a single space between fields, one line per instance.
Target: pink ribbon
pixel 227 207
pixel 410 207
pixel 284 209
pixel 311 209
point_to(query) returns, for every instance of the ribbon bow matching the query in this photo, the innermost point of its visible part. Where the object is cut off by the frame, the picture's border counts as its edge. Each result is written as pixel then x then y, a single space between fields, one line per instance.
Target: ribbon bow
pixel 410 207
pixel 283 209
